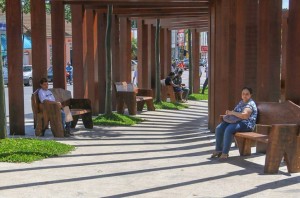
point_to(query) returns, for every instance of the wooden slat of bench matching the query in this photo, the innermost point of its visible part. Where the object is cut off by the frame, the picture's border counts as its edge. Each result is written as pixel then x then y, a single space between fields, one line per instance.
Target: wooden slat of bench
pixel 253 136
pixel 79 111
pixel 141 98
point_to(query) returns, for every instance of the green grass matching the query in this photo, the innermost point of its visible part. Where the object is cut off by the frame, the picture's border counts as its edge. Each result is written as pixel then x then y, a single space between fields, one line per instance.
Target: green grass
pixel 29 150
pixel 170 105
pixel 116 119
pixel 199 96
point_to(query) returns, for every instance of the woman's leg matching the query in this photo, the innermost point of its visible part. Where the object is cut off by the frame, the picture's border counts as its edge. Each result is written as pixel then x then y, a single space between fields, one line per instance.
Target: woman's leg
pixel 228 134
pixel 220 130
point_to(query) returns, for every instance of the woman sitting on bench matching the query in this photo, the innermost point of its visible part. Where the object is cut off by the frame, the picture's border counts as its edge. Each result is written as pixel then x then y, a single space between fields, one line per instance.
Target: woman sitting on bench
pixel 244 114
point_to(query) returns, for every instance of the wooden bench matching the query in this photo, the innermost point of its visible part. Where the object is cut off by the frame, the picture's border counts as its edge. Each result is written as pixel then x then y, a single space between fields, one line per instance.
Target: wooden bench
pixel 46 112
pixel 167 91
pixel 276 134
pixel 133 98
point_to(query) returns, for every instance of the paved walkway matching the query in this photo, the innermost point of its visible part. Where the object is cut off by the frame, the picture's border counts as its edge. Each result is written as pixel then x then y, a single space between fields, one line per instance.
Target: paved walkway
pixel 167 156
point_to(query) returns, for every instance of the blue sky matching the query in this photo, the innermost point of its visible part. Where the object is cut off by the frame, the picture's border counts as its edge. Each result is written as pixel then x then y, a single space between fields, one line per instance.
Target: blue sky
pixel 285 3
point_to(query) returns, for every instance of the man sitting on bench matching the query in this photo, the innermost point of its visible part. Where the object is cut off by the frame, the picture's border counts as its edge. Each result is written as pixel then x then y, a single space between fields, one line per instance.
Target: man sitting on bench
pixel 177 88
pixel 46 96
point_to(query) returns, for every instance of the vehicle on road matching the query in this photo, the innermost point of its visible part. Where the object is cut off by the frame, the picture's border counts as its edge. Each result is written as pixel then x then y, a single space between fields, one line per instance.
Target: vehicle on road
pixel 50 74
pixel 27 75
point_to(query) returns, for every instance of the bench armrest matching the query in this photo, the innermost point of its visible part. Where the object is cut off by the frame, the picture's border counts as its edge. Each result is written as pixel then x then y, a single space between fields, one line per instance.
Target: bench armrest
pixel 80 104
pixel 145 92
pixel 221 118
pixel 263 129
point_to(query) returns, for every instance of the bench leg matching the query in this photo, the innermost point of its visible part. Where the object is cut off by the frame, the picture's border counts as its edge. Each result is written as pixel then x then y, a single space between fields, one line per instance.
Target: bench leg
pixel 140 105
pixel 87 120
pixel 150 105
pixel 120 105
pixel 244 146
pixel 75 120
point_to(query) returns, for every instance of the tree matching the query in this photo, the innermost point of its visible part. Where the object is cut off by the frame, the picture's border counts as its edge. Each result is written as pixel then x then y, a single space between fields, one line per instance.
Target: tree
pixel 133 48
pixel 26 8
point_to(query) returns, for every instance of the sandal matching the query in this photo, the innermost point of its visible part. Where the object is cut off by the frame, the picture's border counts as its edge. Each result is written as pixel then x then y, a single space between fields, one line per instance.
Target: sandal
pixel 216 154
pixel 223 156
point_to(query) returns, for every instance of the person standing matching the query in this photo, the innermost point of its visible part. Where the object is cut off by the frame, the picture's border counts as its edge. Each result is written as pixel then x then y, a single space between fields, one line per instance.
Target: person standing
pixel 206 80
pixel 69 69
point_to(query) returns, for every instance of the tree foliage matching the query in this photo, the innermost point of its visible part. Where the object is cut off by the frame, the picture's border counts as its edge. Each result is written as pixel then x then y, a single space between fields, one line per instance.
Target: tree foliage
pixel 26 8
pixel 134 48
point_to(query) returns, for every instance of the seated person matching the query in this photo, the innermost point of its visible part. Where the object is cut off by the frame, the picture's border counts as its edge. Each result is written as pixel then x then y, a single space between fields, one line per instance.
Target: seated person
pixel 177 89
pixel 46 96
pixel 246 110
pixel 178 81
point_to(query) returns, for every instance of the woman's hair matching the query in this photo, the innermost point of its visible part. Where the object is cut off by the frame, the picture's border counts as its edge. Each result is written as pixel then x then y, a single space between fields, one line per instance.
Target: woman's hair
pixel 248 88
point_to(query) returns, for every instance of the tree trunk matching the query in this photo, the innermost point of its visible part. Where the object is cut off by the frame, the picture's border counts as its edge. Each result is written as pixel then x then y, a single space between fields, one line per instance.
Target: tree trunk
pixel 108 97
pixel 157 62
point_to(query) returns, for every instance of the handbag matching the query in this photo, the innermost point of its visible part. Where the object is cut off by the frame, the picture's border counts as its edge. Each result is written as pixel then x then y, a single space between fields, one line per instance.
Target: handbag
pixel 231 119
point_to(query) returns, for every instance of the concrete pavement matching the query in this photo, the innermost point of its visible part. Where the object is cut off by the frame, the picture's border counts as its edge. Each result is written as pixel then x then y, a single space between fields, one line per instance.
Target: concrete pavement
pixel 166 156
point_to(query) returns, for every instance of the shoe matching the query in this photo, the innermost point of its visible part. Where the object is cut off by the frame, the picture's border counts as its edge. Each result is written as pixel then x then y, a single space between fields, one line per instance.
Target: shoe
pixel 223 156
pixel 216 154
pixel 66 134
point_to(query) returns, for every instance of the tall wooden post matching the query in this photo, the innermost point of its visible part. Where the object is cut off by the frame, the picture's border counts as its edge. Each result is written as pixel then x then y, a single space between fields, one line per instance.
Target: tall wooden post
pixel 101 61
pixel 15 67
pixel 195 61
pixel 58 44
pixel 39 46
pixel 77 50
pixel 125 49
pixel 293 58
pixel 167 50
pixel 268 74
pixel 143 69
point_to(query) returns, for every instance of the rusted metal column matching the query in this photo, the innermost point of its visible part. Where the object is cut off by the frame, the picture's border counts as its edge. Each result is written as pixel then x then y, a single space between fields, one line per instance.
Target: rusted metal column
pixel 143 69
pixel 58 44
pixel 125 49
pixel 163 71
pixel 15 67
pixel 293 58
pixel 195 57
pixel 284 28
pixel 269 49
pixel 77 50
pixel 39 46
pixel 101 61
pixel 89 64
pixel 168 49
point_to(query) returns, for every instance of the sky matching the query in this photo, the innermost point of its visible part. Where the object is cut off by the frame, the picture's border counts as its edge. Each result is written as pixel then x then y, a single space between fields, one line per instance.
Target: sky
pixel 285 3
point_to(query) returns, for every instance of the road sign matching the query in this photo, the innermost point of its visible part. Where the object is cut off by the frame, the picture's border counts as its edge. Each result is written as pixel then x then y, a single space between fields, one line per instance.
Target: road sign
pixel 204 48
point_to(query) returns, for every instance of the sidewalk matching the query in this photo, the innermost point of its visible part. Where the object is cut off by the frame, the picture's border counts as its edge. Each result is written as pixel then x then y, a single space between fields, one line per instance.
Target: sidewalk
pixel 167 156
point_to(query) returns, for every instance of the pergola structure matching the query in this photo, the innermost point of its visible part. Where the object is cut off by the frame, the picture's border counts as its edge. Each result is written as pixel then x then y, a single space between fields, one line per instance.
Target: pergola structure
pixel 250 44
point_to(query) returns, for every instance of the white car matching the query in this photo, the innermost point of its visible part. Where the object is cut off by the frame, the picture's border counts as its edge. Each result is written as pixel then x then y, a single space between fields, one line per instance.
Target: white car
pixel 27 75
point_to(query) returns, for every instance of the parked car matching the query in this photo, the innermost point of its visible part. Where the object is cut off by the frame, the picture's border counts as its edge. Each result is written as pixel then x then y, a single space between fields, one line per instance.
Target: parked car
pixel 5 75
pixel 133 65
pixel 50 74
pixel 27 75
